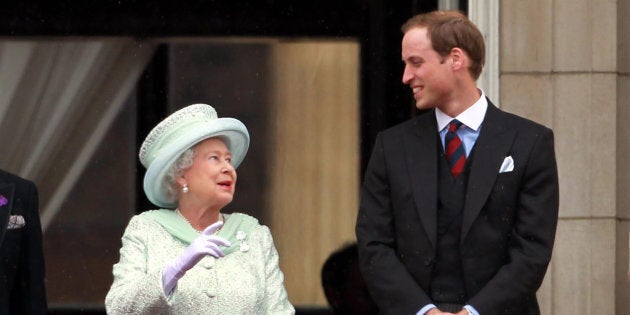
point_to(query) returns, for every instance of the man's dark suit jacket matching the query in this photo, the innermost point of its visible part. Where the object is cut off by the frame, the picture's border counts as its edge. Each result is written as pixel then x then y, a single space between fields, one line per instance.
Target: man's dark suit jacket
pixel 509 219
pixel 22 289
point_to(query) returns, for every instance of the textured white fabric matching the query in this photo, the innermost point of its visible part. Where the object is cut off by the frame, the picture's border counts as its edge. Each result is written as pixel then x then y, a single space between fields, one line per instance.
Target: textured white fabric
pixel 239 283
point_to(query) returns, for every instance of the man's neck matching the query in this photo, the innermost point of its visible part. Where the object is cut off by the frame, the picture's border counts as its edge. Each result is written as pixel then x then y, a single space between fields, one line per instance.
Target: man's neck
pixel 461 101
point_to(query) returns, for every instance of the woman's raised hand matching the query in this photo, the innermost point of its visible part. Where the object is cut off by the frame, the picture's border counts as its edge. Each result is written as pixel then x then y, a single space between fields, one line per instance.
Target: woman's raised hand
pixel 205 244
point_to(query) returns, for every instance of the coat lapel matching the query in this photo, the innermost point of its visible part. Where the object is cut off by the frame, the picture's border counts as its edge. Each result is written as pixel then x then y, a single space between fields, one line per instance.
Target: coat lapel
pixel 6 205
pixel 492 146
pixel 422 164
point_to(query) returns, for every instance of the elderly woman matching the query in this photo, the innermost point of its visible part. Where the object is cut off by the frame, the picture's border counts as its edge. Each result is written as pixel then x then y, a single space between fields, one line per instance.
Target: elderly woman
pixel 189 257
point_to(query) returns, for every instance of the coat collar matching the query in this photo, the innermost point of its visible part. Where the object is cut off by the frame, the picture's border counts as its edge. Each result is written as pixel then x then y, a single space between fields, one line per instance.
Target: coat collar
pixel 6 193
pixel 491 147
pixel 423 170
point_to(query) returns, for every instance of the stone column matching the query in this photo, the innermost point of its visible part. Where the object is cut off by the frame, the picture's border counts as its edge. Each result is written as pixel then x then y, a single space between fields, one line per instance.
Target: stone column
pixel 559 67
pixel 622 270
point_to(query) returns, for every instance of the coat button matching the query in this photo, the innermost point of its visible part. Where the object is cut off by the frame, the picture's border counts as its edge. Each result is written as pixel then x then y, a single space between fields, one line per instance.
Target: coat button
pixel 428 262
pixel 207 263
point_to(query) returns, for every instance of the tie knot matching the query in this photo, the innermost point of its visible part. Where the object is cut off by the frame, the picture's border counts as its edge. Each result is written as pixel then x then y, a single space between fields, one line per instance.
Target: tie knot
pixel 454 125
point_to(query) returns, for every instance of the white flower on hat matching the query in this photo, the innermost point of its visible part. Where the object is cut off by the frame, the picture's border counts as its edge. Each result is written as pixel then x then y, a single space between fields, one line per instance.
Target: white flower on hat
pixel 179 132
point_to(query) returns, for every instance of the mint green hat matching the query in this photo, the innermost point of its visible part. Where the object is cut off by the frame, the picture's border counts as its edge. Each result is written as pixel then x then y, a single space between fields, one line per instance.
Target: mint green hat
pixel 179 132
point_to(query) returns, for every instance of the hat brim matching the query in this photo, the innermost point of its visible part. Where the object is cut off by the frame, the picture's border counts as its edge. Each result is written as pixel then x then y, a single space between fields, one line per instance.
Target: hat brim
pixel 231 130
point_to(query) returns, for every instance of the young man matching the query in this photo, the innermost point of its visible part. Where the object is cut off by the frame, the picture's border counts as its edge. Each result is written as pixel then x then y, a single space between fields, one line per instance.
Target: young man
pixel 459 205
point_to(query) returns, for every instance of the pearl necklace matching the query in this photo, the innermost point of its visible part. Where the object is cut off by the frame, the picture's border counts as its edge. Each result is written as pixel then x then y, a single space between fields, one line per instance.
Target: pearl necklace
pixel 198 231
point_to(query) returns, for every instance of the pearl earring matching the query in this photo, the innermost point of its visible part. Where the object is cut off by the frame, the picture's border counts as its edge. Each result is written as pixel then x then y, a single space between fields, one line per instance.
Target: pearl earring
pixel 185 188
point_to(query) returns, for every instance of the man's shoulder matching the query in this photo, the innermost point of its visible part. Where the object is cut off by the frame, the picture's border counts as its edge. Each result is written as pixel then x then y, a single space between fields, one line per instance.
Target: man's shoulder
pixel 515 121
pixel 423 118
pixel 12 178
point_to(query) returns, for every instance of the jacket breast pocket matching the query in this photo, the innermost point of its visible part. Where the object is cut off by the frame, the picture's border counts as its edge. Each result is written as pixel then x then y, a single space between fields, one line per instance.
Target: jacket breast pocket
pixel 504 196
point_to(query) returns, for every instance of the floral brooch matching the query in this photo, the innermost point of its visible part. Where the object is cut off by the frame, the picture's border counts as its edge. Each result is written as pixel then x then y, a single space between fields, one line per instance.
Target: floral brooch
pixel 3 200
pixel 240 236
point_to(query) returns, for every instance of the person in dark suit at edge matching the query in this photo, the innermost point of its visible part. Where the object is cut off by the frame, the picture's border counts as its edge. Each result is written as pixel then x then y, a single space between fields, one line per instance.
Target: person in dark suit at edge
pixel 459 205
pixel 22 288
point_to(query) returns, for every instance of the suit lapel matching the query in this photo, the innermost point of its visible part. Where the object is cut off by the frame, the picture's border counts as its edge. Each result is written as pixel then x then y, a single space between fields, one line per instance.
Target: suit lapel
pixel 6 205
pixel 492 146
pixel 421 159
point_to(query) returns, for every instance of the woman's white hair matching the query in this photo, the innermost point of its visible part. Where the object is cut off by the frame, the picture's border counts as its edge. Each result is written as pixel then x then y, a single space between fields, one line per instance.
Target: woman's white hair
pixel 175 171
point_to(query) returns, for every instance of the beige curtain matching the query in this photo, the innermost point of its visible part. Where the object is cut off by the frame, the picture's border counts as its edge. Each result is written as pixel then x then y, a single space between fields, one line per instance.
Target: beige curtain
pixel 57 100
pixel 313 194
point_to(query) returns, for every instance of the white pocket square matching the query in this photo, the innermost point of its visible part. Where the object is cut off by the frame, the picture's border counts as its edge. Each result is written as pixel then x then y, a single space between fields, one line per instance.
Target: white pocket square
pixel 507 165
pixel 16 222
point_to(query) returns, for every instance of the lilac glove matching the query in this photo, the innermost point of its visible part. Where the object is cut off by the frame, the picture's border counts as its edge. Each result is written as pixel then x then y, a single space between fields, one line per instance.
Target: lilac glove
pixel 205 244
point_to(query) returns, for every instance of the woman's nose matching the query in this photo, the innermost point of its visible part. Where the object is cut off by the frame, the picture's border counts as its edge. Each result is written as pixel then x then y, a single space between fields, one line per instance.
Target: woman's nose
pixel 227 167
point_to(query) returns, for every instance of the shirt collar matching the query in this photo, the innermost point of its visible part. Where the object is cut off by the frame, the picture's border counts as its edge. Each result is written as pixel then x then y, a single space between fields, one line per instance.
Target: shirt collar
pixel 471 117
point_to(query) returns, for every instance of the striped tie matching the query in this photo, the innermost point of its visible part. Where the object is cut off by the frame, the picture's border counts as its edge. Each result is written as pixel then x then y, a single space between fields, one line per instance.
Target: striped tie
pixel 455 153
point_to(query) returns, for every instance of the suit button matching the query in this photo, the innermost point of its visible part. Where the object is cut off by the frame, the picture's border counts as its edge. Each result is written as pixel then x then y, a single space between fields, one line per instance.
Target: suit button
pixel 428 262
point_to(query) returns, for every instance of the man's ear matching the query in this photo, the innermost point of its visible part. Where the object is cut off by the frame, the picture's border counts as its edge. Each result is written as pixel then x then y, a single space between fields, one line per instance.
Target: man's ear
pixel 458 58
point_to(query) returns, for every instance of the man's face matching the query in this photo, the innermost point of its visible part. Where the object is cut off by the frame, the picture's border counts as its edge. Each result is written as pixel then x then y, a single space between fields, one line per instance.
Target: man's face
pixel 429 75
